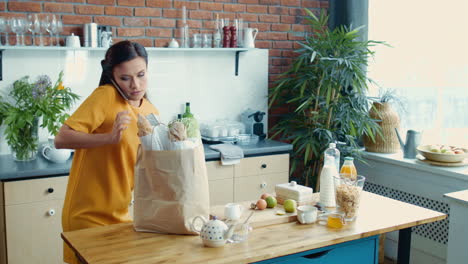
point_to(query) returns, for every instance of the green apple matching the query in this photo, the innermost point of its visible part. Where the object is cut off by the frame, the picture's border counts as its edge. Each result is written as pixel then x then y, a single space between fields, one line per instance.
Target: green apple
pixel 290 205
pixel 271 202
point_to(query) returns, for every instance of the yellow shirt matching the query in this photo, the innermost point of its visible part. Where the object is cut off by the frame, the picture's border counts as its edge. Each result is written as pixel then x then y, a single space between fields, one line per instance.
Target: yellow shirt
pixel 101 179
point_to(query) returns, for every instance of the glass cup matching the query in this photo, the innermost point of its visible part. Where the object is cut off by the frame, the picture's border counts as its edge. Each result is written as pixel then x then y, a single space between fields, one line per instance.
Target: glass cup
pixel 207 40
pixel 348 195
pixel 240 233
pixel 196 40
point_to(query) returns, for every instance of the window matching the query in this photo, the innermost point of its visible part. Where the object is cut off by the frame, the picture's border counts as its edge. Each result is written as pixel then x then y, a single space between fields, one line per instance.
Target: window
pixel 427 64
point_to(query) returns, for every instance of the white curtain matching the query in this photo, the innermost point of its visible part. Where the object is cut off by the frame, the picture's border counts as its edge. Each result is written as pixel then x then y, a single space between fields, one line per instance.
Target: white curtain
pixel 427 64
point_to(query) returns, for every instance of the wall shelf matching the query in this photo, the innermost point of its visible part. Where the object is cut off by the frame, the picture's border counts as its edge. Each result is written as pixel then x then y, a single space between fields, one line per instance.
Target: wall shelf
pixel 149 49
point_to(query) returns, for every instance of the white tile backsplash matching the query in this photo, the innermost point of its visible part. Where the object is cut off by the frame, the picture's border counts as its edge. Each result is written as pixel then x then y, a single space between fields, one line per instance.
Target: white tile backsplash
pixel 206 79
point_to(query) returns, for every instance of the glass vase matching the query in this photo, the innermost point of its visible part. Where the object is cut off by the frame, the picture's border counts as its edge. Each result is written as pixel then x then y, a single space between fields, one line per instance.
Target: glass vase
pixel 27 146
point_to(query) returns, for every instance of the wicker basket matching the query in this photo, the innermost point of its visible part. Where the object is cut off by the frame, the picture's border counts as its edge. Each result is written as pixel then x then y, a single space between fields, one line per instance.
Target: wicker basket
pixel 390 121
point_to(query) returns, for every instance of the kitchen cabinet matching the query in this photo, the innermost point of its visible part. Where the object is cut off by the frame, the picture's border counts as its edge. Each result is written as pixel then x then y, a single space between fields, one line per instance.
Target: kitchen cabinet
pixel 31 220
pixel 247 180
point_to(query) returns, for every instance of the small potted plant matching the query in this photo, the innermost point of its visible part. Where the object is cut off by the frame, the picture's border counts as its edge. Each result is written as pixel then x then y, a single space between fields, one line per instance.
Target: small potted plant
pixel 27 103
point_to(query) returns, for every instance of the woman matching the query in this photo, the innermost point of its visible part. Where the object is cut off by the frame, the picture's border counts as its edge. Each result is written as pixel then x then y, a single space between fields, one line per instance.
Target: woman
pixel 103 131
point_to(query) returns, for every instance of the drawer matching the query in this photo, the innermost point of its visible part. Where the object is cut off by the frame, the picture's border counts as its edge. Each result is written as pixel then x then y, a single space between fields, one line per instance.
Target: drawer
pixel 28 191
pixel 33 234
pixel 221 191
pixel 252 187
pixel 362 251
pixel 262 165
pixel 216 171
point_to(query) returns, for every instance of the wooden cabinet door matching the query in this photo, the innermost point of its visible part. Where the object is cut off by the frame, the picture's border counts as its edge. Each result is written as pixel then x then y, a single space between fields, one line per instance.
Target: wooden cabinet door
pixel 221 191
pixel 33 232
pixel 252 187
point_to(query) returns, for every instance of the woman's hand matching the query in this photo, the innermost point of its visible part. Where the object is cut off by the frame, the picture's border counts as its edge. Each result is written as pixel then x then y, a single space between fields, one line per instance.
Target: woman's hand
pixel 122 119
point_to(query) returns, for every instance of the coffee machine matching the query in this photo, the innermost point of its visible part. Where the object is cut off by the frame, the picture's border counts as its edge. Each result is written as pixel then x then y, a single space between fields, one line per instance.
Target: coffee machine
pixel 254 122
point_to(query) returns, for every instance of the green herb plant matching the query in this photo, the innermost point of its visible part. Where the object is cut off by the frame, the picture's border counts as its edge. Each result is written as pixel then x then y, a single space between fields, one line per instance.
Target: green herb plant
pixel 26 104
pixel 325 95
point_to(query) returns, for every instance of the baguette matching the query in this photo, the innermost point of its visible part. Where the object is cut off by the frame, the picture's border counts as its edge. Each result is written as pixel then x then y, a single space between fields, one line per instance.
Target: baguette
pixel 144 126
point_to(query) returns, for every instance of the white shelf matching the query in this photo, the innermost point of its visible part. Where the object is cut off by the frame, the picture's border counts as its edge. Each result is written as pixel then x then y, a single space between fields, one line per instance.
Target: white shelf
pixel 62 48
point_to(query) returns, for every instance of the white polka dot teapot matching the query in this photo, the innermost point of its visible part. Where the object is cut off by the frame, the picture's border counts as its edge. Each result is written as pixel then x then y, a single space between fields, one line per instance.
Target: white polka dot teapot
pixel 214 233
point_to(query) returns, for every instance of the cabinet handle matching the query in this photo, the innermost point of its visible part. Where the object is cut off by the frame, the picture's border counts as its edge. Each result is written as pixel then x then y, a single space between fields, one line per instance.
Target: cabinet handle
pixel 50 190
pixel 263 185
pixel 51 212
pixel 264 166
pixel 316 255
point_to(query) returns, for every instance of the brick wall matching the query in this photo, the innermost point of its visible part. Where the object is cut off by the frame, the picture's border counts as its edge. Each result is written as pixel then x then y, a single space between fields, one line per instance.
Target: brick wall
pixel 154 22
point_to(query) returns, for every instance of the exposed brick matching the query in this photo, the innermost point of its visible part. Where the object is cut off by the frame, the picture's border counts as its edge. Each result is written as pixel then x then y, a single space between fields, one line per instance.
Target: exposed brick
pixel 234 8
pixel 324 4
pixel 200 15
pixel 263 44
pixel 24 6
pixel 278 10
pixel 281 62
pixel 159 3
pixel 89 10
pixel 159 32
pixel 289 53
pixel 291 2
pixel 262 27
pixel 118 11
pixel 275 70
pixel 77 30
pixel 257 9
pixel 247 1
pixel 149 12
pixel 209 24
pixel 146 42
pixel 2 6
pixel 76 20
pixel 311 3
pixel 299 28
pixel 280 27
pixel 270 2
pixel 274 53
pixel 288 19
pixel 161 42
pixel 71 1
pixel 187 4
pixel 191 23
pixel 269 18
pixel 58 8
pixel 249 17
pixel 163 22
pixel 108 20
pixel 136 22
pixel 231 16
pixel 131 2
pixel 296 36
pixel 282 45
pixel 297 12
pixel 277 36
pixel 101 2
pixel 211 6
pixel 130 32
pixel 296 45
pixel 262 36
pixel 172 13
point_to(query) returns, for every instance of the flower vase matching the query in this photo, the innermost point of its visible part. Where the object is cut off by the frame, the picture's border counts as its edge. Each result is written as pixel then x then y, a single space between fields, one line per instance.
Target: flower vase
pixel 27 144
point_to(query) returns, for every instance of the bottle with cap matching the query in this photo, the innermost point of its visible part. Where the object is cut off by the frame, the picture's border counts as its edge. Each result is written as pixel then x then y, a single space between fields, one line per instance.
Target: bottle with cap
pixel 327 187
pixel 187 112
pixel 332 151
pixel 348 170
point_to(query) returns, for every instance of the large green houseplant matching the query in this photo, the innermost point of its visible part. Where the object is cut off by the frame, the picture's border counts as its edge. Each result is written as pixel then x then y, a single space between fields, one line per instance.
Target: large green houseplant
pixel 27 103
pixel 325 94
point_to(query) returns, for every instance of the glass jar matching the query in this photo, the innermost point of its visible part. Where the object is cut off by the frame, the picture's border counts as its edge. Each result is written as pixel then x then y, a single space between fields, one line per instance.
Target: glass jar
pixel 348 195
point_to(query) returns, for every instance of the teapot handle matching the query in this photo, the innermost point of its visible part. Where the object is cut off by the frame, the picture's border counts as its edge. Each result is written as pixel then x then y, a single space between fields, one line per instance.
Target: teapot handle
pixel 193 226
pixel 256 32
pixel 45 152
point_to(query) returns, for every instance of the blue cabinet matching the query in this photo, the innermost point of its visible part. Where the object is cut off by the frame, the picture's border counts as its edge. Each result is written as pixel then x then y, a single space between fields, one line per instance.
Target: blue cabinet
pixel 361 251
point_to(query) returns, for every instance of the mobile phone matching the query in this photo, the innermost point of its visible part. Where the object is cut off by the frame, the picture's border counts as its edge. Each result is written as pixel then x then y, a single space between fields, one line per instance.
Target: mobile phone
pixel 118 89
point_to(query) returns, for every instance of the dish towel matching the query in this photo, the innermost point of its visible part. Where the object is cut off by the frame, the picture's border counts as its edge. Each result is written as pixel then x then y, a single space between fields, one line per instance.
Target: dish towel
pixel 230 154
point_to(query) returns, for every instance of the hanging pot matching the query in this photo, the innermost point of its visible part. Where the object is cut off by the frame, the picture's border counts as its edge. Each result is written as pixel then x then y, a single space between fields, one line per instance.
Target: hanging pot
pixel 389 120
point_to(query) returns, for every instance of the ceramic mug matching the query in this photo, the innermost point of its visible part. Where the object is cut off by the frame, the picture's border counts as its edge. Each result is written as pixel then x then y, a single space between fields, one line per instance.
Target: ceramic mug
pixel 232 211
pixel 56 155
pixel 307 214
pixel 73 41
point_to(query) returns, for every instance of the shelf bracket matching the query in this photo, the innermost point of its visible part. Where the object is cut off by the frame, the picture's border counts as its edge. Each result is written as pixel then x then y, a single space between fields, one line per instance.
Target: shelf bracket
pixel 1 65
pixel 237 61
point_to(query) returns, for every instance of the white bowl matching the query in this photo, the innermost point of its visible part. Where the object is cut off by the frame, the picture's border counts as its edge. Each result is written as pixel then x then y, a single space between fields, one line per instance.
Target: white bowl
pixel 441 157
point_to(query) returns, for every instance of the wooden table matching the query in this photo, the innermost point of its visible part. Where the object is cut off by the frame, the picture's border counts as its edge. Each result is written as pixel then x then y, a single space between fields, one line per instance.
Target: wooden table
pixel 121 244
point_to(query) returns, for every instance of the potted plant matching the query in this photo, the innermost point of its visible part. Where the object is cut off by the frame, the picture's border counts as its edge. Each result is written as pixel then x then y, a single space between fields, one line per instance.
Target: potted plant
pixel 27 103
pixel 324 92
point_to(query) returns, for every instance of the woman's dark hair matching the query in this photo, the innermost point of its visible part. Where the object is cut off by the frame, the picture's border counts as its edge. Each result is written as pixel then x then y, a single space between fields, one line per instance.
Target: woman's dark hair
pixel 120 52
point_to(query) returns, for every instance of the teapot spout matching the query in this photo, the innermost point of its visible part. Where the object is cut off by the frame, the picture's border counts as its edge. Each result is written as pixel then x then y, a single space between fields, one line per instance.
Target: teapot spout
pixel 399 139
pixel 228 234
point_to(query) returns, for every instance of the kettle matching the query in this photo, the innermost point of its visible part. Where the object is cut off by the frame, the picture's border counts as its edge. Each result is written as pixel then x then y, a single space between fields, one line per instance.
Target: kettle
pixel 214 233
pixel 412 141
pixel 249 37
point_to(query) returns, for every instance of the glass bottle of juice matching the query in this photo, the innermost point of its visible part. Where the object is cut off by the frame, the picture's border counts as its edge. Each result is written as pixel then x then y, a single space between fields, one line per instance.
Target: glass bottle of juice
pixel 348 169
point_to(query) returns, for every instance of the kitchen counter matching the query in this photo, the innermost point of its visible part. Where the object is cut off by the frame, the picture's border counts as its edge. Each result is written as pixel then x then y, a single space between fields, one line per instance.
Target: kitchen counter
pixel 121 244
pixel 11 170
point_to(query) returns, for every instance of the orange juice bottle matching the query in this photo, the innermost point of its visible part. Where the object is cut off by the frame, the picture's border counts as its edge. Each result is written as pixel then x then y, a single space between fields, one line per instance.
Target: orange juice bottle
pixel 348 169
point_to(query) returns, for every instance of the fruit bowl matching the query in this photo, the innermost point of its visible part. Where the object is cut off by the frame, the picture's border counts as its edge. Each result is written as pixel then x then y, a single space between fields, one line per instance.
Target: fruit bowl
pixel 425 151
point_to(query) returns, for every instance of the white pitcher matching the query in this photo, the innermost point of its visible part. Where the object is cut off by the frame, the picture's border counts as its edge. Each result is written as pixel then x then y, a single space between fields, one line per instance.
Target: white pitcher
pixel 56 155
pixel 249 37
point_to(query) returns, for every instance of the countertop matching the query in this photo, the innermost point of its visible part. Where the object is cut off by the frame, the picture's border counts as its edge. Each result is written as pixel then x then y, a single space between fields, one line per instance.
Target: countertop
pixel 12 170
pixel 121 244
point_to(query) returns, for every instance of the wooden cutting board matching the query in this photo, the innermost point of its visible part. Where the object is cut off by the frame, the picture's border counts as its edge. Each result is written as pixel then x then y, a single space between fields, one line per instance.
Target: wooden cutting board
pixel 259 218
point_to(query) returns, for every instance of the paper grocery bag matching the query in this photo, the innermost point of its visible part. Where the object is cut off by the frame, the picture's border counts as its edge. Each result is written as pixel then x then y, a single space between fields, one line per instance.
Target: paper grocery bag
pixel 171 188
